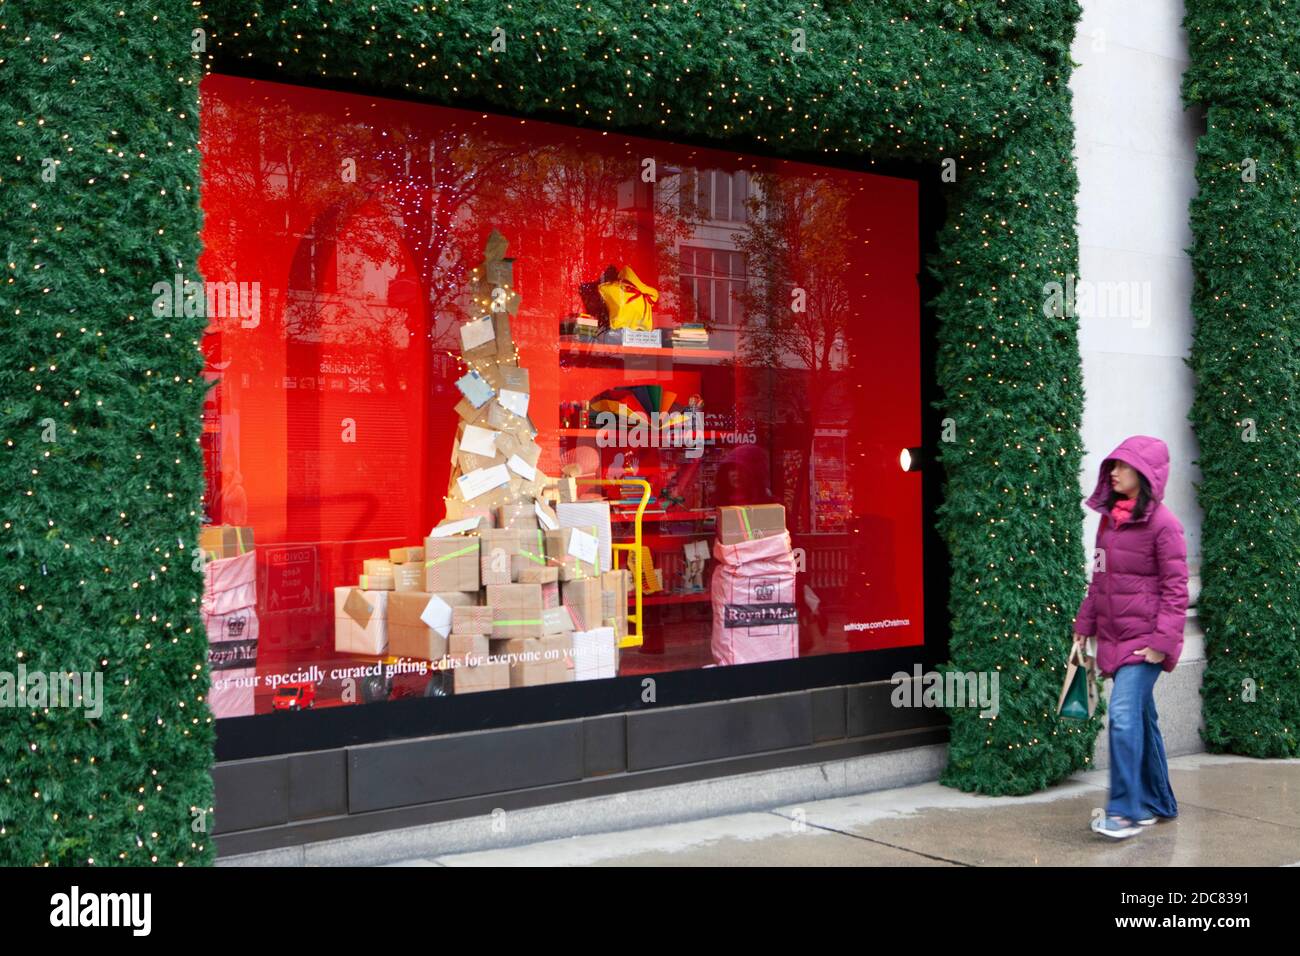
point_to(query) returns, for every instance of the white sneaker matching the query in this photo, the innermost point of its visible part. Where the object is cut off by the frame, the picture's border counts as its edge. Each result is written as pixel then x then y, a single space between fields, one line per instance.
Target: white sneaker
pixel 1117 828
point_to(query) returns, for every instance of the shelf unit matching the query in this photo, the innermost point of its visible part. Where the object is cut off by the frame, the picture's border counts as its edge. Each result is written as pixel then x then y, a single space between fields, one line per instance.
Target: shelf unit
pixel 573 347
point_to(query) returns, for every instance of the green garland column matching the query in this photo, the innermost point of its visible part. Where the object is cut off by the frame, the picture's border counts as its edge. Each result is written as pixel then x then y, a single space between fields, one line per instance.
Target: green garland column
pixel 1246 356
pixel 1011 378
pixel 100 402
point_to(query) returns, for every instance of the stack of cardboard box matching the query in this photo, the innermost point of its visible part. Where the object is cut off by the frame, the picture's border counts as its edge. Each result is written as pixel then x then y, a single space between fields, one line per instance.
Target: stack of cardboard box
pixel 230 617
pixel 505 590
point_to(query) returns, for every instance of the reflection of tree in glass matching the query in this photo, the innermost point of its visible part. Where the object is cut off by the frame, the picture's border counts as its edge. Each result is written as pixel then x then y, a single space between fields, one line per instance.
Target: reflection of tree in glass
pixel 591 211
pixel 406 192
pixel 796 243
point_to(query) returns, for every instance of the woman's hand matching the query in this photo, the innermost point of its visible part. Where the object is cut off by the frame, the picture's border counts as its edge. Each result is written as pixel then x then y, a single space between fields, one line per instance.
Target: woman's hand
pixel 1152 656
pixel 1080 638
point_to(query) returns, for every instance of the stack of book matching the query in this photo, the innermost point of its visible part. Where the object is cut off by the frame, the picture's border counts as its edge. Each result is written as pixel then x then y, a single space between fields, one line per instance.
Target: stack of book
pixel 693 336
pixel 583 327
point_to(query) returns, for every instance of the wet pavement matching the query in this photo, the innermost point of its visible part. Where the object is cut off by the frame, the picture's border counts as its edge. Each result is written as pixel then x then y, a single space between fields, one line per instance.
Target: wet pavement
pixel 1233 811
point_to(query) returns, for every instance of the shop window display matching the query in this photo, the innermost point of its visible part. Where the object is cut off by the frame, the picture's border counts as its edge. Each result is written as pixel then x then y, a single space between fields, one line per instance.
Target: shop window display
pixel 474 353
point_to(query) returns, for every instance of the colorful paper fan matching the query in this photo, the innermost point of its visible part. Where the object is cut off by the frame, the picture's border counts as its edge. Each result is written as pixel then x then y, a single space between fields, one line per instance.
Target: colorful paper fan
pixel 618 407
pixel 637 403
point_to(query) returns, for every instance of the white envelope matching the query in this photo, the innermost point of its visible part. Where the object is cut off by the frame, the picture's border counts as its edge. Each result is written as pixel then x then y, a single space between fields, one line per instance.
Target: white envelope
pixel 584 546
pixel 584 514
pixel 476 332
pixel 482 480
pixel 437 614
pixel 479 441
pixel 454 527
pixel 545 520
pixel 514 402
pixel 521 468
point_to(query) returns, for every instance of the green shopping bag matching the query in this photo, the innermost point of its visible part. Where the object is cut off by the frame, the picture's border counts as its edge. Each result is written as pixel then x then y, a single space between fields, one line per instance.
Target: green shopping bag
pixel 1078 699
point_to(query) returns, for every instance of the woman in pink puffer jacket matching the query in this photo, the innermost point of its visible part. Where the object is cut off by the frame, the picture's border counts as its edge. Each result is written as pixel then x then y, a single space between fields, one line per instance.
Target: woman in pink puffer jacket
pixel 1136 605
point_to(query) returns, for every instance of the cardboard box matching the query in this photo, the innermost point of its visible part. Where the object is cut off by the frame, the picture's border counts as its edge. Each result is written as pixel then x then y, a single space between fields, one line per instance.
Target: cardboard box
pixel 595 654
pixel 539 574
pixel 532 662
pixel 467 645
pixel 225 541
pixel 377 582
pixel 451 564
pixel 408 577
pixel 556 620
pixel 470 675
pixel 585 514
pixel 531 553
pixel 473 619
pixel 360 621
pixel 548 577
pixel 516 610
pixel 749 522
pixel 496 560
pixel 520 516
pixel 615 586
pixel 619 624
pixel 568 489
pixel 410 555
pixel 557 554
pixel 585 598
pixel 378 566
pixel 410 630
pixel 408 635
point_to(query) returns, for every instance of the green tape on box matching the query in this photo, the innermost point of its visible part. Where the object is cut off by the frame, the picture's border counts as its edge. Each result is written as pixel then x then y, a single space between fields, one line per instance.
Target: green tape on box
pixel 455 554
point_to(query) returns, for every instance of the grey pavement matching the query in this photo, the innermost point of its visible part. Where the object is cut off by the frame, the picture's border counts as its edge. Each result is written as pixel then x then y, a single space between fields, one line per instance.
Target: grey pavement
pixel 1233 811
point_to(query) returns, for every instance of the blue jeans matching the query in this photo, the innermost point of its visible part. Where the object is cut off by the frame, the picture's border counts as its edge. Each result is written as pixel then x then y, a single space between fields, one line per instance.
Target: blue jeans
pixel 1139 775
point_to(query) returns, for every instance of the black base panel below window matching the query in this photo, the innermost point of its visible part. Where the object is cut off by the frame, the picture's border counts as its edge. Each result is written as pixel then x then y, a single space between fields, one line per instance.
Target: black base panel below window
pixel 279 801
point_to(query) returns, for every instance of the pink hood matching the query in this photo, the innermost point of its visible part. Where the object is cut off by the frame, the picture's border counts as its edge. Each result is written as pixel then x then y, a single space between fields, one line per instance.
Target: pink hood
pixel 1150 456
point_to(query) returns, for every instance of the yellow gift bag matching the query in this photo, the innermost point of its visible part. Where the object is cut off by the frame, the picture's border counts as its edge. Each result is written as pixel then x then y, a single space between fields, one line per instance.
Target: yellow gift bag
pixel 629 301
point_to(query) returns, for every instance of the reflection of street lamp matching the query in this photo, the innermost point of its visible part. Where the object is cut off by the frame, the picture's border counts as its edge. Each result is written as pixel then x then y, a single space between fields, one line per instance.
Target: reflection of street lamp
pixel 909 459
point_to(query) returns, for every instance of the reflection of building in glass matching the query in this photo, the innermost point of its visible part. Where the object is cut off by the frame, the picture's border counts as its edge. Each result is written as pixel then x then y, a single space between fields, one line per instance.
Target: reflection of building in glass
pixel 738 268
pixel 713 277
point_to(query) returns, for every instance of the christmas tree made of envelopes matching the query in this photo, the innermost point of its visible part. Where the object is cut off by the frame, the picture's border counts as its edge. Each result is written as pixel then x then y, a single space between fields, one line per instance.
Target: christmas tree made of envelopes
pixel 494 459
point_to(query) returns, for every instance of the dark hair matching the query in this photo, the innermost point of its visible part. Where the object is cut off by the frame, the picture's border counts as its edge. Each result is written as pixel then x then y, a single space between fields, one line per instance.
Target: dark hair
pixel 1144 498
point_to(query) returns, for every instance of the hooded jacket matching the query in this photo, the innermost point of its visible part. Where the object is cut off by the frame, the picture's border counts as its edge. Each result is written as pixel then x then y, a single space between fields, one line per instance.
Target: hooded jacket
pixel 1138 593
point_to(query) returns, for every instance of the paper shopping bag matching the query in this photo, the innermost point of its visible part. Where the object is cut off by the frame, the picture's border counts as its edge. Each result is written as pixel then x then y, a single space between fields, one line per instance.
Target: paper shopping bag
pixel 1078 699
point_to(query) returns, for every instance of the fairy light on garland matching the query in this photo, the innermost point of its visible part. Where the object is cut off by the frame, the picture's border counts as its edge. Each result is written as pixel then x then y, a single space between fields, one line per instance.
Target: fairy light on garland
pixel 88 591
pixel 1246 360
pixel 965 80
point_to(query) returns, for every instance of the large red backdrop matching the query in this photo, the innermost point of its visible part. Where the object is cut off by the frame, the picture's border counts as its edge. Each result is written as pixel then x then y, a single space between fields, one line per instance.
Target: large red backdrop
pixel 331 428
